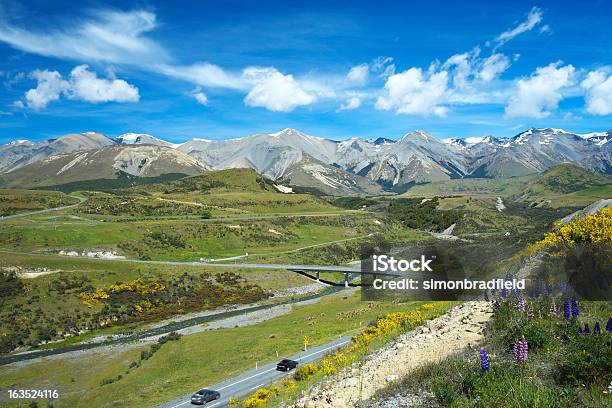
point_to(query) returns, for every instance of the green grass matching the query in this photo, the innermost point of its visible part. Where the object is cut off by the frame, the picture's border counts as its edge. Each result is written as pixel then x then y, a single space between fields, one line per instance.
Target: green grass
pixel 468 187
pixel 199 359
pixel 19 201
pixel 195 239
pixel 565 185
pixel 557 373
pixel 43 306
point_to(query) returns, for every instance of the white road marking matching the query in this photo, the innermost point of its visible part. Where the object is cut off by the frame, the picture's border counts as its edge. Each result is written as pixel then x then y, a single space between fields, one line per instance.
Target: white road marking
pixel 257 386
pixel 263 372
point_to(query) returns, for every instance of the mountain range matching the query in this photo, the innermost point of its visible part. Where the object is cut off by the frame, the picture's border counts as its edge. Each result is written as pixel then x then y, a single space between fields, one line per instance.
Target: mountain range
pixel 290 157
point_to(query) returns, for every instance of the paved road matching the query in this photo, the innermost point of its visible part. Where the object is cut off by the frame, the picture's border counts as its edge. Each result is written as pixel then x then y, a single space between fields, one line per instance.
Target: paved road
pixel 249 381
pixel 64 207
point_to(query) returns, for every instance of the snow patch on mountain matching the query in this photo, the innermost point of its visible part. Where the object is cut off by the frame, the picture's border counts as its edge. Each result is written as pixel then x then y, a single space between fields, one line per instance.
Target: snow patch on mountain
pixel 283 189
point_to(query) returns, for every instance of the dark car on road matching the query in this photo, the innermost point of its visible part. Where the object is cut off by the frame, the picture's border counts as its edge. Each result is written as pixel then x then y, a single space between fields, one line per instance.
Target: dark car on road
pixel 286 365
pixel 203 396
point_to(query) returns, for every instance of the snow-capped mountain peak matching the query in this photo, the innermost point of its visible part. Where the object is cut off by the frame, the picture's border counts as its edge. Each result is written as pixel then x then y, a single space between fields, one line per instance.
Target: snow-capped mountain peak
pixel 19 142
pixel 140 138
pixel 416 157
pixel 417 134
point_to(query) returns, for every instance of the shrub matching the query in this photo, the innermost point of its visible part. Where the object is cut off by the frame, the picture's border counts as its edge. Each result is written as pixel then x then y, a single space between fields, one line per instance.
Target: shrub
pixel 443 389
pixel 261 397
pixel 305 372
pixel 536 333
pixel 10 285
pixel 587 359
pixel 172 336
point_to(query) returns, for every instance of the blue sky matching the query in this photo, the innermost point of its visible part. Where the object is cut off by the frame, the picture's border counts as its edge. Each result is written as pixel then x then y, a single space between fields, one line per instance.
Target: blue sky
pixel 219 69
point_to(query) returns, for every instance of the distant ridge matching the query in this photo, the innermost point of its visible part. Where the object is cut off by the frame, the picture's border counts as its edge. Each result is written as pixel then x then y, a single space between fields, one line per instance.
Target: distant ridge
pixel 354 165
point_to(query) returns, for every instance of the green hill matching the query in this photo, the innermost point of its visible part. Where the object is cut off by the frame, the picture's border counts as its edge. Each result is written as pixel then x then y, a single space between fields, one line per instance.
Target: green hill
pixel 565 185
pixel 566 178
pixel 468 187
pixel 231 180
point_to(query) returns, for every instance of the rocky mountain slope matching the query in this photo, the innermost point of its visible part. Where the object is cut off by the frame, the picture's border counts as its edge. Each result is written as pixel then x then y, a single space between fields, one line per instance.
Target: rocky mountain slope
pixel 355 165
pixel 22 152
pixel 104 163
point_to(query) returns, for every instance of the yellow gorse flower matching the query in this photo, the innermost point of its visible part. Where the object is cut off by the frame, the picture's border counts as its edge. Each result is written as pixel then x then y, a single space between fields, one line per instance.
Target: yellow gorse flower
pixel 594 229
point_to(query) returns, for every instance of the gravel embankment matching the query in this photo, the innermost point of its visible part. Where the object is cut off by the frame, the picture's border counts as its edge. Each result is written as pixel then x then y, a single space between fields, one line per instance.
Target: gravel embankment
pixel 461 327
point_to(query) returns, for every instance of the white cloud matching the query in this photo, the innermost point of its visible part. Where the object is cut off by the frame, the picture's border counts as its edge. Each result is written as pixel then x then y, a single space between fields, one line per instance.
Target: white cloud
pixel 545 29
pixel 108 36
pixel 358 75
pixel 48 89
pixel 533 19
pixel 415 92
pixel 598 92
pixel 461 64
pixel 383 67
pixel 86 86
pixel 82 84
pixel 538 95
pixel 492 67
pixel 351 103
pixel 200 96
pixel 275 91
pixel 115 37
pixel 205 74
pixel 470 71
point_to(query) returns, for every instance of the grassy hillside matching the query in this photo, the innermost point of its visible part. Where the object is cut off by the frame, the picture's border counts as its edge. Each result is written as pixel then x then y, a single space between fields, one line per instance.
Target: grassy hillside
pixel 219 181
pixel 232 192
pixel 564 185
pixel 19 201
pixel 469 187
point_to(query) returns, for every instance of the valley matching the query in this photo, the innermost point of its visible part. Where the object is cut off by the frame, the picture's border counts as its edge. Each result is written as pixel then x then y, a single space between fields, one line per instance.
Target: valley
pixel 120 271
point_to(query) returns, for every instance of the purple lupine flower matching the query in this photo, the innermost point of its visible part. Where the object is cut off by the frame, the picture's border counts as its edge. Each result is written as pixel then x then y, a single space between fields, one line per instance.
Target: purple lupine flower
pixel 597 328
pixel 609 325
pixel 530 312
pixel 521 304
pixel 486 296
pixel 587 329
pixel 566 309
pixel 579 330
pixel 497 305
pixel 589 357
pixel 565 338
pixel 485 361
pixel 553 309
pixel 575 308
pixel 504 293
pixel 520 350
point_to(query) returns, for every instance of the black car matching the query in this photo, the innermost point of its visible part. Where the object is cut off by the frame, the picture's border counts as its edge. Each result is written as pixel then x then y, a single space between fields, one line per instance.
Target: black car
pixel 286 365
pixel 203 396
